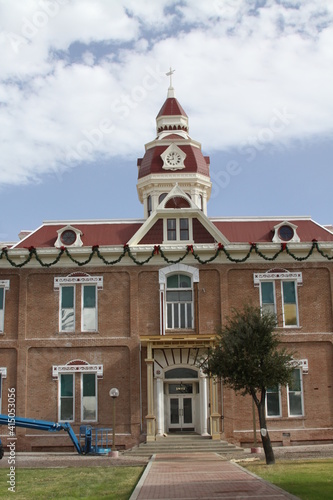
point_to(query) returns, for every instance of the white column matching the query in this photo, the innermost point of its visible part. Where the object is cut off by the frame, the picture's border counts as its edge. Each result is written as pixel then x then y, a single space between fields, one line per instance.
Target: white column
pixel 203 386
pixel 159 406
pixel 162 310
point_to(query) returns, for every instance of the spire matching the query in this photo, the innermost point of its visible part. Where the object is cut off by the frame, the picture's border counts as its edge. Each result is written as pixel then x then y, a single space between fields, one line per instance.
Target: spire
pixel 171 90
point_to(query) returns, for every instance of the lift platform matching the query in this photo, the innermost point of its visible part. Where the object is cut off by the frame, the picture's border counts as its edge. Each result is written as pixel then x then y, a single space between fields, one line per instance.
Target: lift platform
pixel 92 441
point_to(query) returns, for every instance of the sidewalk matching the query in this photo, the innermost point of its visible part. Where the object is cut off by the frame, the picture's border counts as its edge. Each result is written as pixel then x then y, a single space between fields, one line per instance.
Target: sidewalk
pixel 201 475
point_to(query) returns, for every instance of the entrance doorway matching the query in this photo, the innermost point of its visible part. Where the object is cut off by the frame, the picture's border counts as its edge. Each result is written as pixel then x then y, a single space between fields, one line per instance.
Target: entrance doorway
pixel 181 414
pixel 181 406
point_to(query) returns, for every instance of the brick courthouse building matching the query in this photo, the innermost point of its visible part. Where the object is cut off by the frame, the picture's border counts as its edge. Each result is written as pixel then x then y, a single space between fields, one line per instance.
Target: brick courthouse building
pixel 134 304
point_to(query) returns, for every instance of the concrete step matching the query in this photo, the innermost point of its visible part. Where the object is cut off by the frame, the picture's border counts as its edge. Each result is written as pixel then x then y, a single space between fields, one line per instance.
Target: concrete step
pixel 186 444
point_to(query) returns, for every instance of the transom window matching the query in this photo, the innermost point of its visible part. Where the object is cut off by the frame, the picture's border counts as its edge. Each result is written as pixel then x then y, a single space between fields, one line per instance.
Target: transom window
pixel 179 301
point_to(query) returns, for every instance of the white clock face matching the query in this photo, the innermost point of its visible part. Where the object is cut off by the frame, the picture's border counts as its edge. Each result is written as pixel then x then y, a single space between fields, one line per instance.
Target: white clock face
pixel 173 159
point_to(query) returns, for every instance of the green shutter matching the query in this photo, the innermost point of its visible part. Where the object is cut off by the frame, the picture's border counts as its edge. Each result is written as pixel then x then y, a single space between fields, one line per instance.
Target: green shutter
pixel 1 298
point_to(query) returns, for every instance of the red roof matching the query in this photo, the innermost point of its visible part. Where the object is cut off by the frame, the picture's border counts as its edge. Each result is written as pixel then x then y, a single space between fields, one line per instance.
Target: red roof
pixel 94 233
pixel 119 233
pixel 152 162
pixel 171 107
pixel 256 231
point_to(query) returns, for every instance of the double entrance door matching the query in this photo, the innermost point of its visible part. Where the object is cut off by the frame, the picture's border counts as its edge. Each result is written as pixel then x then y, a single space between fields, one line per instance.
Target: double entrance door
pixel 181 407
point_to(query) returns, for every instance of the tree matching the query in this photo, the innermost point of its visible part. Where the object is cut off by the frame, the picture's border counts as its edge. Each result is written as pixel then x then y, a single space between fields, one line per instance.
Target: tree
pixel 249 359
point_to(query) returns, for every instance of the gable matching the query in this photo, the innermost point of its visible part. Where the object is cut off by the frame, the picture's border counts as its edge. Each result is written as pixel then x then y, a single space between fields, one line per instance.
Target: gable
pixel 154 235
pixel 200 233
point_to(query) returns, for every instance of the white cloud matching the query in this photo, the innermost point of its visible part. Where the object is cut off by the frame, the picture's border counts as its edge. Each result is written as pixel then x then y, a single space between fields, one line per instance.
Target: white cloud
pixel 237 66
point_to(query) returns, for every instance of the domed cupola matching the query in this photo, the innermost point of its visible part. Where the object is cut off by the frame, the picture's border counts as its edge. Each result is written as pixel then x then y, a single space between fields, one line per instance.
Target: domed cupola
pixel 173 158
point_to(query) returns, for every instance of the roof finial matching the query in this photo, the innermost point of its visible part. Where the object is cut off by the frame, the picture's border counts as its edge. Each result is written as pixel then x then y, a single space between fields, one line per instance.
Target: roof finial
pixel 170 89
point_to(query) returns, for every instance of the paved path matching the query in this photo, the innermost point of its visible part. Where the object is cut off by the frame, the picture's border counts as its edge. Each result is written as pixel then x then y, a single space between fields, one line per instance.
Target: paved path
pixel 201 475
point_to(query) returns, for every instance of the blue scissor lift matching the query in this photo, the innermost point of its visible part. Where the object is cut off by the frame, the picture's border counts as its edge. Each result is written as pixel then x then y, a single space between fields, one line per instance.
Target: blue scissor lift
pixel 92 441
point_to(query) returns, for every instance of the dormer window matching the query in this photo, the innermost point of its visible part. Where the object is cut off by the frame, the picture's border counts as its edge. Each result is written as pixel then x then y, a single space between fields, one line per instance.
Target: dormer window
pixel 69 236
pixel 285 232
pixel 178 229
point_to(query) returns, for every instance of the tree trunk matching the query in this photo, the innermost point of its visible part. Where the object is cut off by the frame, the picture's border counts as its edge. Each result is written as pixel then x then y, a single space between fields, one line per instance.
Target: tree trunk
pixel 266 442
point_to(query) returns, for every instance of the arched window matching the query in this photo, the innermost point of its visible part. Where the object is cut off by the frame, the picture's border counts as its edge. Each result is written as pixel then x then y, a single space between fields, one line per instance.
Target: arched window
pixel 177 297
pixel 161 197
pixel 179 301
pixel 149 209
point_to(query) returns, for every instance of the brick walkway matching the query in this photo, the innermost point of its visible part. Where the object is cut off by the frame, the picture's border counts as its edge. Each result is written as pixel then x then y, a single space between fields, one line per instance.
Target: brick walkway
pixel 201 475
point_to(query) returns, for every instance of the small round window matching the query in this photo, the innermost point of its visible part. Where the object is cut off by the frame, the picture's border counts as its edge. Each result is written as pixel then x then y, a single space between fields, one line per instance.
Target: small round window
pixel 286 233
pixel 68 237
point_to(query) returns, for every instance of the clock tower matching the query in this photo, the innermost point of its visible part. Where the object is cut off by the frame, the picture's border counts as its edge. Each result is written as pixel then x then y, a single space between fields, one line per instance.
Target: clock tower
pixel 173 158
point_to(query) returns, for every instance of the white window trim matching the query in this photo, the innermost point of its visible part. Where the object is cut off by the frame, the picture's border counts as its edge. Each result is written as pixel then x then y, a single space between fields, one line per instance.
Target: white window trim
pixel 302 395
pixel 4 284
pixel 282 298
pixel 280 275
pixel 177 240
pixel 73 280
pixel 163 273
pixel 59 399
pixel 3 375
pixel 96 396
pixel 280 407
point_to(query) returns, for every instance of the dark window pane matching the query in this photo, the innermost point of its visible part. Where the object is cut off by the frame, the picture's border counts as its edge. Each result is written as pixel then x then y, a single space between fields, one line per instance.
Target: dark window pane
pixel 181 373
pixel 182 316
pixel 1 298
pixel 172 281
pixel 89 296
pixel 66 385
pixel 189 315
pixel 67 297
pixel 267 292
pixel 184 281
pixel 66 411
pixel 289 295
pixel 184 231
pixel 89 387
pixel 169 315
pixel 176 315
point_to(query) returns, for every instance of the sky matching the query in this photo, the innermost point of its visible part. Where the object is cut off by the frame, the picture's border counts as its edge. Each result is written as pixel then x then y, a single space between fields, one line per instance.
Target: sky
pixel 81 83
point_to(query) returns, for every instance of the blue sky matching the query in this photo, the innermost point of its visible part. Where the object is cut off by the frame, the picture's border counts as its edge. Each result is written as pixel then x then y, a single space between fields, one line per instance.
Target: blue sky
pixel 82 81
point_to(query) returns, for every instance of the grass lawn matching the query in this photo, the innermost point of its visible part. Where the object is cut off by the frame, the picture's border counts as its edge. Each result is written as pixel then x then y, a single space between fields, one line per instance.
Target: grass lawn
pixel 115 483
pixel 307 479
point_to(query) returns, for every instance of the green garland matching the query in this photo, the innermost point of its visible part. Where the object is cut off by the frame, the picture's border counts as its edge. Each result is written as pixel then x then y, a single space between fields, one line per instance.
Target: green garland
pixel 158 251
